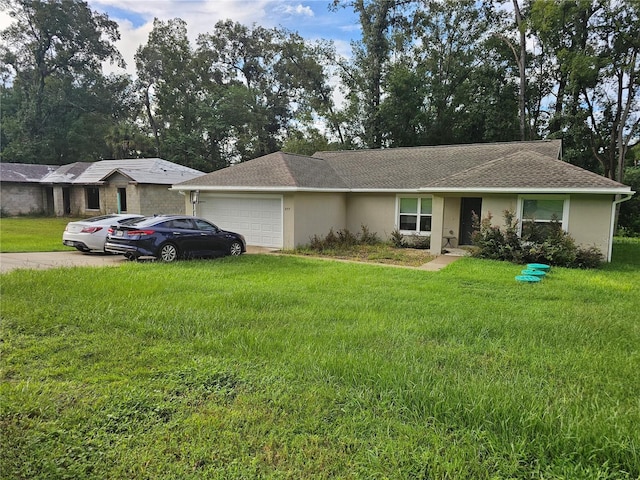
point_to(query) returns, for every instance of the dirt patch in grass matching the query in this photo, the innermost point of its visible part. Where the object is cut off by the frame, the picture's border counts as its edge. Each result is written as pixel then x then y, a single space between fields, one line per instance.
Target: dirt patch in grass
pixel 385 254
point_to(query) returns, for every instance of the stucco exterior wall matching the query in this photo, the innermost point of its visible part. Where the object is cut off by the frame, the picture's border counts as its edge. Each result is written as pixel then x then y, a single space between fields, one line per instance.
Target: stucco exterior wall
pixel 23 198
pixel 495 205
pixel 590 220
pixel 437 224
pixel 589 217
pixel 313 214
pixel 445 222
pixel 159 199
pixel 375 211
pixel 451 217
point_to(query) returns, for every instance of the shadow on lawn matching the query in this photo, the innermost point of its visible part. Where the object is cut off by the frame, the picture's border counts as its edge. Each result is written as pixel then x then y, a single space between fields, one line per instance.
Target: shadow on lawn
pixel 625 255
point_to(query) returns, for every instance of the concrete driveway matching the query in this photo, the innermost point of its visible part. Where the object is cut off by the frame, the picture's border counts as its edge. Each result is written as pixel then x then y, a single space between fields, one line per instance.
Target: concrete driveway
pixel 44 260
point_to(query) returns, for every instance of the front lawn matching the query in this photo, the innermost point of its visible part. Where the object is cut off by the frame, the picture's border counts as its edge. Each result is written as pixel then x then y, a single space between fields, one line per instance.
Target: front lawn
pixel 33 234
pixel 286 367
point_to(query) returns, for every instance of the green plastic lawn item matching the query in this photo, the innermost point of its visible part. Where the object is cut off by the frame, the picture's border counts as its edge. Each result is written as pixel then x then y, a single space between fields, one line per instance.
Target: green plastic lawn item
pixel 538 266
pixel 535 273
pixel 527 279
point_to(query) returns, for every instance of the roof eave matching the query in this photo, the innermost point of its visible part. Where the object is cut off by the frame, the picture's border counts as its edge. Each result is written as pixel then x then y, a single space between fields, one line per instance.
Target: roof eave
pixel 210 188
pixel 556 190
pixel 511 190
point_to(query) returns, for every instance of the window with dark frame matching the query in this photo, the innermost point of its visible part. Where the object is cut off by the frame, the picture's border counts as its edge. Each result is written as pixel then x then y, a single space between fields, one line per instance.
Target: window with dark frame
pixel 122 199
pixel 93 198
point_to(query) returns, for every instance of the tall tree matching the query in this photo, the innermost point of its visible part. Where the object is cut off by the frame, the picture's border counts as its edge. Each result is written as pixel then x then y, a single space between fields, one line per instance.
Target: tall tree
pixel 232 97
pixel 521 58
pixel 444 83
pixel 597 69
pixel 169 87
pixel 53 54
pixel 276 76
pixel 365 77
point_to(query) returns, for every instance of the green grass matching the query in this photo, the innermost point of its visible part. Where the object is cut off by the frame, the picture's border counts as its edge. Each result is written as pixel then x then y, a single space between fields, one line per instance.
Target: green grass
pixel 33 234
pixel 284 367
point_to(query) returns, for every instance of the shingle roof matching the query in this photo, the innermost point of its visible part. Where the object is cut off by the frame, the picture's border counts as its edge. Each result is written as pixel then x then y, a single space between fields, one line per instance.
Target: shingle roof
pixel 278 170
pixel 415 167
pixel 524 170
pixel 24 172
pixel 510 165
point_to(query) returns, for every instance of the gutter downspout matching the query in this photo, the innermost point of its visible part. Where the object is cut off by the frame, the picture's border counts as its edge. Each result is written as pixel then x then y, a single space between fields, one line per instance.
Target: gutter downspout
pixel 613 219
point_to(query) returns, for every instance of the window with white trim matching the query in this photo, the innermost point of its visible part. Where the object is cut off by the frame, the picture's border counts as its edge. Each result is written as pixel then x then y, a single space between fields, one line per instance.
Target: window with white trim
pixel 539 215
pixel 414 214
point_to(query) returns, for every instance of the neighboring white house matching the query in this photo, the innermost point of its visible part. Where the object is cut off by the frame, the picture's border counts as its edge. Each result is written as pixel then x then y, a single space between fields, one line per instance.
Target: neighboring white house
pixel 83 188
pixel 280 200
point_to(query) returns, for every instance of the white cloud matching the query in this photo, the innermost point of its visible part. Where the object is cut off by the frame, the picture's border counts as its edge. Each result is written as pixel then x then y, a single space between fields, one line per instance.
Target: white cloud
pixel 298 10
pixel 354 27
pixel 135 20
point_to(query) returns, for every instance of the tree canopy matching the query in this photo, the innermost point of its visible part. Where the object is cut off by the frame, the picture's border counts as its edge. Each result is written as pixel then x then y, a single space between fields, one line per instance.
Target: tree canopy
pixel 424 72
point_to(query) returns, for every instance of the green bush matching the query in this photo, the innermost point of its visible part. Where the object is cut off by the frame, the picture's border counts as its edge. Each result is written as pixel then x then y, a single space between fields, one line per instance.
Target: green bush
pixel 343 239
pixel 419 242
pixel 538 244
pixel 494 243
pixel 399 240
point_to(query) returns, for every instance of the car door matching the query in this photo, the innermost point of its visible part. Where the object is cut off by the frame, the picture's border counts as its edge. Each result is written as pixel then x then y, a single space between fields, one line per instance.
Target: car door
pixel 211 240
pixel 184 234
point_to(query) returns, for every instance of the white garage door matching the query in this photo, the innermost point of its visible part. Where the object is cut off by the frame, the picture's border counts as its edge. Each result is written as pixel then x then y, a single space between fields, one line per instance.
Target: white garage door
pixel 258 218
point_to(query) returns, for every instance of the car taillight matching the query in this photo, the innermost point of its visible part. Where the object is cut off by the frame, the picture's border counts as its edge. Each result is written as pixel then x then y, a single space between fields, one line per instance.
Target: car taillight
pixel 90 229
pixel 110 230
pixel 140 232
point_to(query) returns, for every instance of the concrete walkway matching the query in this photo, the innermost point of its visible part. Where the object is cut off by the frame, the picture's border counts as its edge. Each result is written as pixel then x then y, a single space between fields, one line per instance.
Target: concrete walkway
pixel 440 262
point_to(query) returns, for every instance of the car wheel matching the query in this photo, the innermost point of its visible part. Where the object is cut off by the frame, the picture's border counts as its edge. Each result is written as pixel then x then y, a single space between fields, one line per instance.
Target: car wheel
pixel 235 249
pixel 168 252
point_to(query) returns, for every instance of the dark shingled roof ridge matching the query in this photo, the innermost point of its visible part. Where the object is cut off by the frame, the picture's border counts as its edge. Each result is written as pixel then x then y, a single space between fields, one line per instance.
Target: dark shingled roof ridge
pixel 552 147
pixel 515 171
pixel 414 167
pixel 278 169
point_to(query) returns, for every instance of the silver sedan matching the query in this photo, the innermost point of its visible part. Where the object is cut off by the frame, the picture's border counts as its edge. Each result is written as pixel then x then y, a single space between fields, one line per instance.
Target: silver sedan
pixel 90 234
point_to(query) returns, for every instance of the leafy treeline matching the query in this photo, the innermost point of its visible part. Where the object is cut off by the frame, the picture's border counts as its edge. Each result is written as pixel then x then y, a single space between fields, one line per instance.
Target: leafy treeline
pixel 424 72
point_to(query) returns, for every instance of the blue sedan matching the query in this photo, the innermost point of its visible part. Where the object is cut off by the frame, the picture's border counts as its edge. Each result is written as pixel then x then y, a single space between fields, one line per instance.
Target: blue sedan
pixel 170 237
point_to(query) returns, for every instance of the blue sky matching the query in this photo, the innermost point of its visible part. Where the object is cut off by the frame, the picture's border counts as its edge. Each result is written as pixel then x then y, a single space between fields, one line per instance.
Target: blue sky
pixel 310 18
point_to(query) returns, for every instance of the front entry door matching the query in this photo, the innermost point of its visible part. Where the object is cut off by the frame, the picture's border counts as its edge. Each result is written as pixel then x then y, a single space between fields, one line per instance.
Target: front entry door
pixel 469 206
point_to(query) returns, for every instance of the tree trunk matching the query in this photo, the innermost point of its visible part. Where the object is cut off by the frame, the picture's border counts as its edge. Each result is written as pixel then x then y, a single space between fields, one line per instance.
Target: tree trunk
pixel 152 122
pixel 522 64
